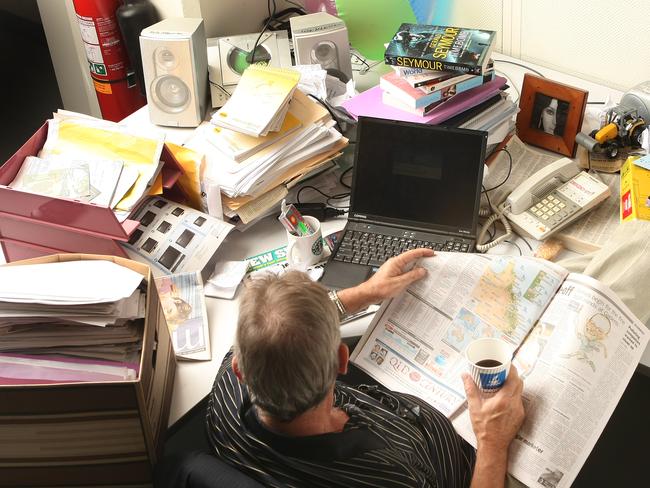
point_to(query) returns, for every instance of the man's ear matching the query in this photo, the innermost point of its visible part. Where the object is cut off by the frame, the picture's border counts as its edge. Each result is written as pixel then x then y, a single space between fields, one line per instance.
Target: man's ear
pixel 344 358
pixel 234 362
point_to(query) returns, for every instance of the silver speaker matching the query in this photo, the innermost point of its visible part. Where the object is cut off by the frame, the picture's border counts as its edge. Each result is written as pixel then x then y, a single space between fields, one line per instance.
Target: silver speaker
pixel 175 65
pixel 322 38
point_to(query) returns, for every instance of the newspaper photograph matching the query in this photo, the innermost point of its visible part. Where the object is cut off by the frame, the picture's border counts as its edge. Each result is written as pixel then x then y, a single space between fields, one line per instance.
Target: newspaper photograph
pixel 183 303
pixel 174 238
pixel 416 341
pixel 576 364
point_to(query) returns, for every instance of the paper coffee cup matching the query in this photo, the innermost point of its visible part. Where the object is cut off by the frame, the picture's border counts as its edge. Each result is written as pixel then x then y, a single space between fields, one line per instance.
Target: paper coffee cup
pixel 305 251
pixel 488 362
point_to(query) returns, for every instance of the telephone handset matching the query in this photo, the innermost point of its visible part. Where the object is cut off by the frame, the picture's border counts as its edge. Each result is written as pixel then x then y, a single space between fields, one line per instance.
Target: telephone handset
pixel 553 198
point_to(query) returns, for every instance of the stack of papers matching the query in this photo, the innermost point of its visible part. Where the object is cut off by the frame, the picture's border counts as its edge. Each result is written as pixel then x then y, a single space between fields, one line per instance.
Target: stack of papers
pixel 85 153
pixel 63 308
pixel 254 173
pixel 260 101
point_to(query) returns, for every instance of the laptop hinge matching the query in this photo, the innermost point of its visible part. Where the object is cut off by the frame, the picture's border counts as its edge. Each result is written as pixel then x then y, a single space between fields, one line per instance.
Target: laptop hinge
pixel 367 221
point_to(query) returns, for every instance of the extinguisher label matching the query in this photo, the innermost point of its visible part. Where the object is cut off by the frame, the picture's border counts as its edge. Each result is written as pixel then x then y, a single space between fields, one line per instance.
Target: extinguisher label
pixel 88 31
pixel 104 88
pixel 98 69
pixel 94 53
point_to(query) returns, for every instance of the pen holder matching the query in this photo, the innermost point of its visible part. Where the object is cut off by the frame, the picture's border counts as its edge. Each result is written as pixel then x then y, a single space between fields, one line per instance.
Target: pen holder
pixel 305 251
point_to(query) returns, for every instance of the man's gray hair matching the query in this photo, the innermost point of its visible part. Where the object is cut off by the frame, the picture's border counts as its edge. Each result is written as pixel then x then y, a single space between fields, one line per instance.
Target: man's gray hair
pixel 287 343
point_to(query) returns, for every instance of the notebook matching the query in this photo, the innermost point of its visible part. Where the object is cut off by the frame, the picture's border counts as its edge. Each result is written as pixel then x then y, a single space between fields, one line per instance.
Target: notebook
pixel 414 185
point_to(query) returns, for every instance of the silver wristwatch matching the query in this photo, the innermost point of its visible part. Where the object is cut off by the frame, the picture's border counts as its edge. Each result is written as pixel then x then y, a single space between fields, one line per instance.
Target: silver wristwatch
pixel 339 304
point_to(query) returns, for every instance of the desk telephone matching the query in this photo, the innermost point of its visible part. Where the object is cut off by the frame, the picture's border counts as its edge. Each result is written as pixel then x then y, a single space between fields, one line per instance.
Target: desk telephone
pixel 552 198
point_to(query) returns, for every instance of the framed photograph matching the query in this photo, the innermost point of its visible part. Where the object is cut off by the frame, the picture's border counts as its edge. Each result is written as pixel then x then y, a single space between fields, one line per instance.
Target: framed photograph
pixel 550 114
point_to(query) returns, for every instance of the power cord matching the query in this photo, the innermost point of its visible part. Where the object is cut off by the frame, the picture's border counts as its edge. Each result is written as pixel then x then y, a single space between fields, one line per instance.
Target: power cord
pixel 319 210
pixel 266 26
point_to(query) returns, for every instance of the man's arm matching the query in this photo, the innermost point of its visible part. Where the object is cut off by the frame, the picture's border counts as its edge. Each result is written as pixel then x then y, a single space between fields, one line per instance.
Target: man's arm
pixel 496 419
pixel 391 278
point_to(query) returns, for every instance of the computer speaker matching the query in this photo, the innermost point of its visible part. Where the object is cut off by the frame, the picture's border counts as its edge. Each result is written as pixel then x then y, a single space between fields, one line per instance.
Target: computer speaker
pixel 321 38
pixel 175 65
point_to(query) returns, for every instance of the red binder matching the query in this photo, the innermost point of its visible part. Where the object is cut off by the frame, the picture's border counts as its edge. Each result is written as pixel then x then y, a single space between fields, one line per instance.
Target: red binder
pixel 35 225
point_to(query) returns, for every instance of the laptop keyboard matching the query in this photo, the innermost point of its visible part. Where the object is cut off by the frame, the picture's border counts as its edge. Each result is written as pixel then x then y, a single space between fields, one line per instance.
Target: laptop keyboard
pixel 374 249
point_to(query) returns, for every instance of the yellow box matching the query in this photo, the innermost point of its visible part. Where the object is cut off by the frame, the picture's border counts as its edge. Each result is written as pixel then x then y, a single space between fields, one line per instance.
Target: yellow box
pixel 635 191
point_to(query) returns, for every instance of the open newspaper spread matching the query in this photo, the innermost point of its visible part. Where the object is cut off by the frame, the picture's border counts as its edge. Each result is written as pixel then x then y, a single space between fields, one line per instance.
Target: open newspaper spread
pixel 581 345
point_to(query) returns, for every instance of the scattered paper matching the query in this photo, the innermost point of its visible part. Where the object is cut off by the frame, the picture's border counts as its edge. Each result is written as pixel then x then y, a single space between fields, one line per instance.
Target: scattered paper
pixel 183 303
pixel 226 278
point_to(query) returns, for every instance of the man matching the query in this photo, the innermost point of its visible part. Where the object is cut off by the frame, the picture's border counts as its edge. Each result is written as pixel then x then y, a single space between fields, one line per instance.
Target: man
pixel 277 413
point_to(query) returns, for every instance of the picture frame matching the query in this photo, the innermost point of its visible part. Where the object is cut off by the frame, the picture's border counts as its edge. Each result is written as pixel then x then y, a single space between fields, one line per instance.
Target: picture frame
pixel 550 114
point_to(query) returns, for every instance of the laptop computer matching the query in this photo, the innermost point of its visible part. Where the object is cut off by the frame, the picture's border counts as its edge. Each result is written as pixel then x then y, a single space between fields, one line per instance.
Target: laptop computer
pixel 414 185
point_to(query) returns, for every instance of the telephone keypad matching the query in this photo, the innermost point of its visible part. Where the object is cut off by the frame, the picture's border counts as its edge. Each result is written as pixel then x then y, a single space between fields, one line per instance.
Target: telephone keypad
pixel 553 209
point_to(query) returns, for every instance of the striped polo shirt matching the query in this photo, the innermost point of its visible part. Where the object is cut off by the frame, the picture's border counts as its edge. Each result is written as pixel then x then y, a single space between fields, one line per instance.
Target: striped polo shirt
pixel 390 440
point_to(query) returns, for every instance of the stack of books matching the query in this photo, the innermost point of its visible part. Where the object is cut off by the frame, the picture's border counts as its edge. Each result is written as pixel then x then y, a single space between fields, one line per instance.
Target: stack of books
pixel 255 166
pixel 441 75
pixel 432 64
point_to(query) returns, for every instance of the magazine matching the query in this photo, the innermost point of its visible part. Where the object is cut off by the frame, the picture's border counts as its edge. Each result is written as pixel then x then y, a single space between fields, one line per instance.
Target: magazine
pixel 577 347
pixel 440 48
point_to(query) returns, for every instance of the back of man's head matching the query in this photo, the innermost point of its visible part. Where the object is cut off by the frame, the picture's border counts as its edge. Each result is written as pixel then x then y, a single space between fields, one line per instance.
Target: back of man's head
pixel 287 343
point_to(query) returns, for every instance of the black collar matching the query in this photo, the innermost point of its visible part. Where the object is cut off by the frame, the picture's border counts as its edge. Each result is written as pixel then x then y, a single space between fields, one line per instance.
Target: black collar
pixel 354 439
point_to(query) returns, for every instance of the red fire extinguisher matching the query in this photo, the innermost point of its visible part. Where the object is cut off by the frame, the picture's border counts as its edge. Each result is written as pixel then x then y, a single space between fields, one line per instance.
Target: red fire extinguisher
pixel 115 83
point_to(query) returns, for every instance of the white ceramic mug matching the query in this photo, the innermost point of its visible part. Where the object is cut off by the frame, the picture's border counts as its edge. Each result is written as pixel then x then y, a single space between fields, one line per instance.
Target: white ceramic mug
pixel 305 251
pixel 488 362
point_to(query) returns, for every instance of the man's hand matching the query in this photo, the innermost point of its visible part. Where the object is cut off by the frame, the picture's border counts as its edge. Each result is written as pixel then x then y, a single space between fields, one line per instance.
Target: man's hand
pixel 496 420
pixel 391 278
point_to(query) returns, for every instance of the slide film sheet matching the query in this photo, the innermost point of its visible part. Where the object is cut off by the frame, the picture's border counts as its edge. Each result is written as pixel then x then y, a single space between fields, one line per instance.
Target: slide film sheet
pixel 174 238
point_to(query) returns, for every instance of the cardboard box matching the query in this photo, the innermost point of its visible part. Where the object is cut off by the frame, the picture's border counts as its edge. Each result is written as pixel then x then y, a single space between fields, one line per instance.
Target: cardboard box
pixel 91 434
pixel 635 190
pixel 35 225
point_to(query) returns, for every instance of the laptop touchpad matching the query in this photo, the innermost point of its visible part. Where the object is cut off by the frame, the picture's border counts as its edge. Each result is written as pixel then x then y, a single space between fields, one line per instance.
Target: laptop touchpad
pixel 344 275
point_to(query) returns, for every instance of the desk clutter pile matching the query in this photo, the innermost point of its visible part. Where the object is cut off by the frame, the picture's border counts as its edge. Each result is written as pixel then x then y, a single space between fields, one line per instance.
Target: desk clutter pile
pixel 266 138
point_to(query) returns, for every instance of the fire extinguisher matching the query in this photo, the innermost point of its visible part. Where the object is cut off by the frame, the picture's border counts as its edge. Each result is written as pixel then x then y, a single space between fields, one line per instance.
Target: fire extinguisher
pixel 115 83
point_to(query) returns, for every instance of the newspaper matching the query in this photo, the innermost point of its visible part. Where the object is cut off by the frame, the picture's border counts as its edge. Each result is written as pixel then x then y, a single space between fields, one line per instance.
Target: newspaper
pixel 174 238
pixel 587 234
pixel 581 345
pixel 183 303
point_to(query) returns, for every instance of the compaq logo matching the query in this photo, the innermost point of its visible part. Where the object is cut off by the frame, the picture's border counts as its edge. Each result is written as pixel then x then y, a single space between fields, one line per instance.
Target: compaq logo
pixel 461 231
pixel 359 216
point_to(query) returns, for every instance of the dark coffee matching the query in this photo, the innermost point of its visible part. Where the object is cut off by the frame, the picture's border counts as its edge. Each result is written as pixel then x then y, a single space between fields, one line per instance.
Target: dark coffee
pixel 488 363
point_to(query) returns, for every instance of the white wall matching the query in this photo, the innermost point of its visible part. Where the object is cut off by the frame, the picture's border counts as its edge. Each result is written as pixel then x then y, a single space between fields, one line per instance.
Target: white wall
pixel 599 40
pixel 68 56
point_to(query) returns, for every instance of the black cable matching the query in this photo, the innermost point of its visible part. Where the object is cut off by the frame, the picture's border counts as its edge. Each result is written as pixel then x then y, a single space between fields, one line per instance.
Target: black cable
pixel 595 103
pixel 327 107
pixel 515 244
pixel 343 175
pixel 338 196
pixel 507 176
pixel 266 26
pixel 527 243
pixel 521 65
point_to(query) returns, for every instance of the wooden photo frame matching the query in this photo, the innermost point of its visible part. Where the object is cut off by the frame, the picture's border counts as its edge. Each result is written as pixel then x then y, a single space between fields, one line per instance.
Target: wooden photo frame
pixel 550 114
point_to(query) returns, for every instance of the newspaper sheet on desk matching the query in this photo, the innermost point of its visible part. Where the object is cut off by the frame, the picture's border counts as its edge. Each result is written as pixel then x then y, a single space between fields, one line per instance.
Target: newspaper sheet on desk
pixel 174 238
pixel 183 303
pixel 576 365
pixel 415 342
pixel 587 234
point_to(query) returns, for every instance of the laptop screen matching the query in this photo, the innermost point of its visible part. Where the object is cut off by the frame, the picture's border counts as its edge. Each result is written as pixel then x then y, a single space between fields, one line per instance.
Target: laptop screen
pixel 418 175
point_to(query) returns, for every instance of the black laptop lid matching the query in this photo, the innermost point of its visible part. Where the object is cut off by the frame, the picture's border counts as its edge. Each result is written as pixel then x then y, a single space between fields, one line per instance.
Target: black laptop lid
pixel 418 175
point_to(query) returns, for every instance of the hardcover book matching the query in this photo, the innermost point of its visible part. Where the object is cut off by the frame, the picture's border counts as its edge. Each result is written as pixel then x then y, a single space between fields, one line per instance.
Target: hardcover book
pixel 440 48
pixel 417 98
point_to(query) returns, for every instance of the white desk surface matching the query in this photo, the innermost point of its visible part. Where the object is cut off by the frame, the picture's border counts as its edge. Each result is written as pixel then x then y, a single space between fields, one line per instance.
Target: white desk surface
pixel 194 379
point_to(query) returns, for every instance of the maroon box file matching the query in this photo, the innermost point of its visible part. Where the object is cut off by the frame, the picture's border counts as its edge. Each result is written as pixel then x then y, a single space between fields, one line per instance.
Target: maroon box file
pixel 34 225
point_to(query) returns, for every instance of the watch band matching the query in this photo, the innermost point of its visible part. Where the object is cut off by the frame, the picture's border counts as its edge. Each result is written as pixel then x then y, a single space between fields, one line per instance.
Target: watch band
pixel 339 304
